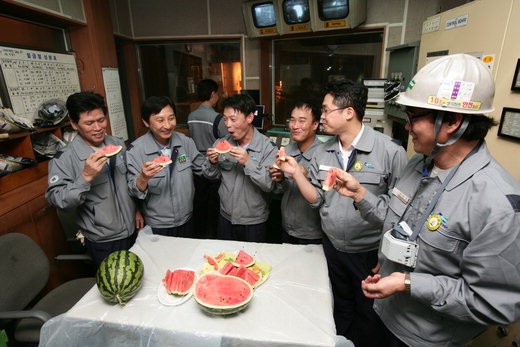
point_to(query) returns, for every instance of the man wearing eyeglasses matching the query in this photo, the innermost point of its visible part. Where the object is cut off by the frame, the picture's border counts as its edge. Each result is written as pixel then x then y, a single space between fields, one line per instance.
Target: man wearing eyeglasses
pixel 301 223
pixel 350 242
pixel 462 210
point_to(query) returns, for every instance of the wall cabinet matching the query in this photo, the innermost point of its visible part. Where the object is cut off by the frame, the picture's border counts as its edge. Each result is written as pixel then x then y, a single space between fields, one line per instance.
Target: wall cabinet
pixel 21 145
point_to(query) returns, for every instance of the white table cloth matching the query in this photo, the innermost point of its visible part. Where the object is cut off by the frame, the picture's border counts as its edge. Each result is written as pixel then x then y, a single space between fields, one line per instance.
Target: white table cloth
pixel 292 308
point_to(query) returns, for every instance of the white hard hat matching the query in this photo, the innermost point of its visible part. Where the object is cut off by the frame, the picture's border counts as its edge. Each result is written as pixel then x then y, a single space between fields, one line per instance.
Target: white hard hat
pixel 454 83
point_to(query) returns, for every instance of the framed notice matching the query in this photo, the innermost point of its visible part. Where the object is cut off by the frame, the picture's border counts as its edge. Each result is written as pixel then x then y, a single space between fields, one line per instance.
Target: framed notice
pixel 510 123
pixel 29 77
pixel 516 77
pixel 116 111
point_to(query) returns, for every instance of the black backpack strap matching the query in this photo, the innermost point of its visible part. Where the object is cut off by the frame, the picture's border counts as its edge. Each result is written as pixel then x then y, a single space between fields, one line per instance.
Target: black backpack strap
pixel 215 125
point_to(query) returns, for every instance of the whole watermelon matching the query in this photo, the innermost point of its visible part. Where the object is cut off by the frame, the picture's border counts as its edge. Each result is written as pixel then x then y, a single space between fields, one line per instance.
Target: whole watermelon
pixel 120 276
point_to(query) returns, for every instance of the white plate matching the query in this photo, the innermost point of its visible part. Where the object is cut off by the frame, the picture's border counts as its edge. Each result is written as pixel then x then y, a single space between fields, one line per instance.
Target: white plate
pixel 170 299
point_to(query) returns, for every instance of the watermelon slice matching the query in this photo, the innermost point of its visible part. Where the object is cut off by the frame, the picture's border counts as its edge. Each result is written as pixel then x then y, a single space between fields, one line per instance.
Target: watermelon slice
pixel 162 160
pixel 211 261
pixel 223 146
pixel 179 281
pixel 244 259
pixel 110 150
pixel 222 295
pixel 328 183
pixel 281 155
pixel 227 268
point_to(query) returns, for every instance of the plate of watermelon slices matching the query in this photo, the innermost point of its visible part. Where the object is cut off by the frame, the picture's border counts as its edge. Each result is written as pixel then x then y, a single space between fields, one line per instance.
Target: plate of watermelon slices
pixel 239 264
pixel 176 286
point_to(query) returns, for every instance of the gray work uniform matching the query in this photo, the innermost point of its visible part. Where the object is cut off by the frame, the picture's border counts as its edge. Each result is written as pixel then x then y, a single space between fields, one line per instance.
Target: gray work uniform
pixel 299 219
pixel 468 270
pixel 245 190
pixel 168 200
pixel 376 163
pixel 104 209
pixel 200 124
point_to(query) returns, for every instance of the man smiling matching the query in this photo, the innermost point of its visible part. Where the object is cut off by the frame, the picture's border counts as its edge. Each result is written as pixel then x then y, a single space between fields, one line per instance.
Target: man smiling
pixel 84 181
pixel 244 172
pixel 301 223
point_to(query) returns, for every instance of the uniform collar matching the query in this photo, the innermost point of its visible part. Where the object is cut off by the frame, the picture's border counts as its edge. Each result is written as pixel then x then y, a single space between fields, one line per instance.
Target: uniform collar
pixel 293 150
pixel 150 144
pixel 365 142
pixel 254 146
pixel 83 150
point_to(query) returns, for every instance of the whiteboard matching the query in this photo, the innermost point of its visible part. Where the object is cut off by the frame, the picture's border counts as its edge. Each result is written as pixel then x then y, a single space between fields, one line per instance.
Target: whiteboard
pixel 116 111
pixel 29 77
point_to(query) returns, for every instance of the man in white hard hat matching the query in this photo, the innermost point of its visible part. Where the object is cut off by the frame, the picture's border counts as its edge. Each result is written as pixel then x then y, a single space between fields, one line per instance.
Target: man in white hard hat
pixel 450 253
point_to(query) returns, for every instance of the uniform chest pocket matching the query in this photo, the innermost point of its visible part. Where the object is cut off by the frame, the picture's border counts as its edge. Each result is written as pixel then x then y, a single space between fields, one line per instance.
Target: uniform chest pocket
pixel 99 186
pixel 374 178
pixel 183 166
pixel 121 168
pixel 442 240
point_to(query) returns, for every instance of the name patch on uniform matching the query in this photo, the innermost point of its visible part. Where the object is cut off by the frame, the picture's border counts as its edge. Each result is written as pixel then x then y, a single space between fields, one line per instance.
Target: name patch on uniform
pixel 325 168
pixel 400 195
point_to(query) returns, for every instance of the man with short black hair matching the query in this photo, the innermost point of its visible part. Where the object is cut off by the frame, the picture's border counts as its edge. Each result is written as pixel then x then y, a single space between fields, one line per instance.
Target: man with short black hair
pixel 246 185
pixel 83 180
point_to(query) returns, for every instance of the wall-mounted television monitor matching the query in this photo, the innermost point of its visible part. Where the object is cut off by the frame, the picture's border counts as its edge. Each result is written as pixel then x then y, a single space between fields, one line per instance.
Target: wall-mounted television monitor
pixel 295 16
pixel 337 14
pixel 261 18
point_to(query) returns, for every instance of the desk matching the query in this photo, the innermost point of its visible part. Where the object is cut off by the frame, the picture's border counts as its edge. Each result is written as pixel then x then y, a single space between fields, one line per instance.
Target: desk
pixel 292 308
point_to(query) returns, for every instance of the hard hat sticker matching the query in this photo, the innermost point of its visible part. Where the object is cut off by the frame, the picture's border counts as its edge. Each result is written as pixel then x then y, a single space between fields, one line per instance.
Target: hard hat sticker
pixel 444 102
pixel 455 94
pixel 456 90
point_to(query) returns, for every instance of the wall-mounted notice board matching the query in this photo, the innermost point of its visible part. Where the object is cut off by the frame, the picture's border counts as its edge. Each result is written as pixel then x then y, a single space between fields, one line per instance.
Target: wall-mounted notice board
pixel 30 77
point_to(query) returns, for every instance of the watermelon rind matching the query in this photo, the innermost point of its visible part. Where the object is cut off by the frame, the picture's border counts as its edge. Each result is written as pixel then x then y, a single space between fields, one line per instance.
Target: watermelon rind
pixel 120 276
pixel 164 163
pixel 328 183
pixel 214 283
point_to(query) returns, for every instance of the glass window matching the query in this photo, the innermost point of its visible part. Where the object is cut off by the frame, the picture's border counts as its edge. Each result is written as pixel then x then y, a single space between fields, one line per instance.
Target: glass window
pixel 175 68
pixel 304 66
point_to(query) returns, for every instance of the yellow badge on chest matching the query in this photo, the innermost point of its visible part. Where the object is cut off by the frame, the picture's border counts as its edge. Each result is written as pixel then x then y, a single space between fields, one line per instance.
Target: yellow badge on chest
pixel 434 222
pixel 358 166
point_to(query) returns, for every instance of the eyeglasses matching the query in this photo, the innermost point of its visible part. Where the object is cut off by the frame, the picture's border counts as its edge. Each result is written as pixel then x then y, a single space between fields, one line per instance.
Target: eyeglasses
pixel 326 112
pixel 413 116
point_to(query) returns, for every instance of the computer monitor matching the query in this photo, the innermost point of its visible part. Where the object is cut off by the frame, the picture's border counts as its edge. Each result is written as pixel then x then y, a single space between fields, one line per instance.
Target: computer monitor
pixel 337 14
pixel 258 121
pixel 295 16
pixel 261 18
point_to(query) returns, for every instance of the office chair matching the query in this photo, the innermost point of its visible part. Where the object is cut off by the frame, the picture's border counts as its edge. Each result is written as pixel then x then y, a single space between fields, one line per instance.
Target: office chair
pixel 24 272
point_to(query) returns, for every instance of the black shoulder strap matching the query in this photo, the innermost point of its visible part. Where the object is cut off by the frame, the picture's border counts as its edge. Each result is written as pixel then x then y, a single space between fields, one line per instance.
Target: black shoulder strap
pixel 215 125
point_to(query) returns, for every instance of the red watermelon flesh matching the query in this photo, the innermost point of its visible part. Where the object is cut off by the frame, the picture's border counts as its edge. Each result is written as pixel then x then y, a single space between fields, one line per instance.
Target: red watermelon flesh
pixel 222 294
pixel 227 268
pixel 244 259
pixel 110 150
pixel 179 282
pixel 246 274
pixel 223 146
pixel 329 180
pixel 212 261
pixel 162 160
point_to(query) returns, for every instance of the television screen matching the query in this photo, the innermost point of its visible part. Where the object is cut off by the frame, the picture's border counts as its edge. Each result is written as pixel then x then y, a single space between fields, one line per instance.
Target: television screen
pixel 264 15
pixel 333 9
pixel 296 11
